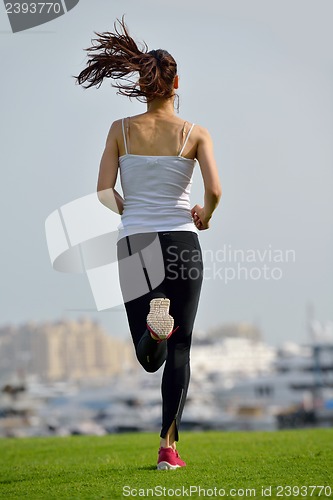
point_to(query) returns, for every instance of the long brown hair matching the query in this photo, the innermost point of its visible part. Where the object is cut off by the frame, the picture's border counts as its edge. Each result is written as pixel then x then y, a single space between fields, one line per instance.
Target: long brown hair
pixel 117 56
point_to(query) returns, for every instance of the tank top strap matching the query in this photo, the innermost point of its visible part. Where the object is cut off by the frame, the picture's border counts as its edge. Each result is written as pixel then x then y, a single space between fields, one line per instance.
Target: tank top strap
pixel 124 135
pixel 186 139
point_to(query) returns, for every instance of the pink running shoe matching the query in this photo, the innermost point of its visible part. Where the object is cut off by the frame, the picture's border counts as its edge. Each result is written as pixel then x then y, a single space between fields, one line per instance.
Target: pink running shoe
pixel 169 459
pixel 159 321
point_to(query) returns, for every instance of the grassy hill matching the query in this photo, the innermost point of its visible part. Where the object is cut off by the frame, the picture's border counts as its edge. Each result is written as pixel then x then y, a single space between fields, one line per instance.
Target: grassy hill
pixel 124 466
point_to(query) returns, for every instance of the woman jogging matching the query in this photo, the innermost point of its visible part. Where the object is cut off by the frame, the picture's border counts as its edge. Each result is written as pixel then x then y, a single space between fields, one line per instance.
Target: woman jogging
pixel 159 255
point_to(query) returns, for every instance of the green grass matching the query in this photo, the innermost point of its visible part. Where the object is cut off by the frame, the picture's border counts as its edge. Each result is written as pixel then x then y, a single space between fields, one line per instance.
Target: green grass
pixel 84 467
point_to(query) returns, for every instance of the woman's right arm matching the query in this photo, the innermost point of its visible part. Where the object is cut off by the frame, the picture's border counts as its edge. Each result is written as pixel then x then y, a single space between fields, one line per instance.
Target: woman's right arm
pixel 213 191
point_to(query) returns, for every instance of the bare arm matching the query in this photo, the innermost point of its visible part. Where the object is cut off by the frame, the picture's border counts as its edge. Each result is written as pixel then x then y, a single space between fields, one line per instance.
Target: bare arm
pixel 212 185
pixel 108 171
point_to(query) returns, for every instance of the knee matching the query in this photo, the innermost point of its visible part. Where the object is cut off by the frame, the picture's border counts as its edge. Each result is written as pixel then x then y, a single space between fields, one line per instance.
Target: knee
pixel 147 364
pixel 149 368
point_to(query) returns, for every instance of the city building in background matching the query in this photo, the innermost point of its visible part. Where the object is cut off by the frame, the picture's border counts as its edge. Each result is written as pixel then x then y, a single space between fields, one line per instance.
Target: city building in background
pixel 73 377
pixel 62 351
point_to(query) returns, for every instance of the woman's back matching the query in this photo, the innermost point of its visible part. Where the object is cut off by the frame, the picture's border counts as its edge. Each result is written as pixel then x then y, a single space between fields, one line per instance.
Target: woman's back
pixel 156 181
pixel 155 134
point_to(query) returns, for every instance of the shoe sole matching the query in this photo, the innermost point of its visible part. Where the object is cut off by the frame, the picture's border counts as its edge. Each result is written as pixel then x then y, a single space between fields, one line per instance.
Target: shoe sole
pixel 159 320
pixel 167 466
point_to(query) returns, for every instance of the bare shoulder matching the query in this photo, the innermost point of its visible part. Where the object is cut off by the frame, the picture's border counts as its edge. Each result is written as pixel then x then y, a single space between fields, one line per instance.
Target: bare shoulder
pixel 114 130
pixel 201 133
pixel 202 137
pixel 116 125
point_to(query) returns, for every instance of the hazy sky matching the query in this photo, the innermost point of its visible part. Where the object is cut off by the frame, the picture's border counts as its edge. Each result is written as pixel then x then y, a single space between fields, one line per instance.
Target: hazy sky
pixel 258 75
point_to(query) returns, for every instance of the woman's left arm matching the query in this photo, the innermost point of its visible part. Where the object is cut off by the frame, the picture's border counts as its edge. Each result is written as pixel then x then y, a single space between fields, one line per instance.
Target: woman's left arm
pixel 108 172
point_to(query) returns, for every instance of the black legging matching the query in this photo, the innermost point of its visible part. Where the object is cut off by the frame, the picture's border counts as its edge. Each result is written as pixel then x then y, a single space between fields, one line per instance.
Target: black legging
pixel 163 264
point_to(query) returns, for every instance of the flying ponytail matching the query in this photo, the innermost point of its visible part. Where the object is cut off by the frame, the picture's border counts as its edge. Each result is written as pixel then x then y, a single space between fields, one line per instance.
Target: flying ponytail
pixel 117 56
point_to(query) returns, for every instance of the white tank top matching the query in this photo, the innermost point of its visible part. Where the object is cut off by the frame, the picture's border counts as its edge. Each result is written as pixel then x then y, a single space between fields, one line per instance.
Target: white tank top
pixel 156 192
